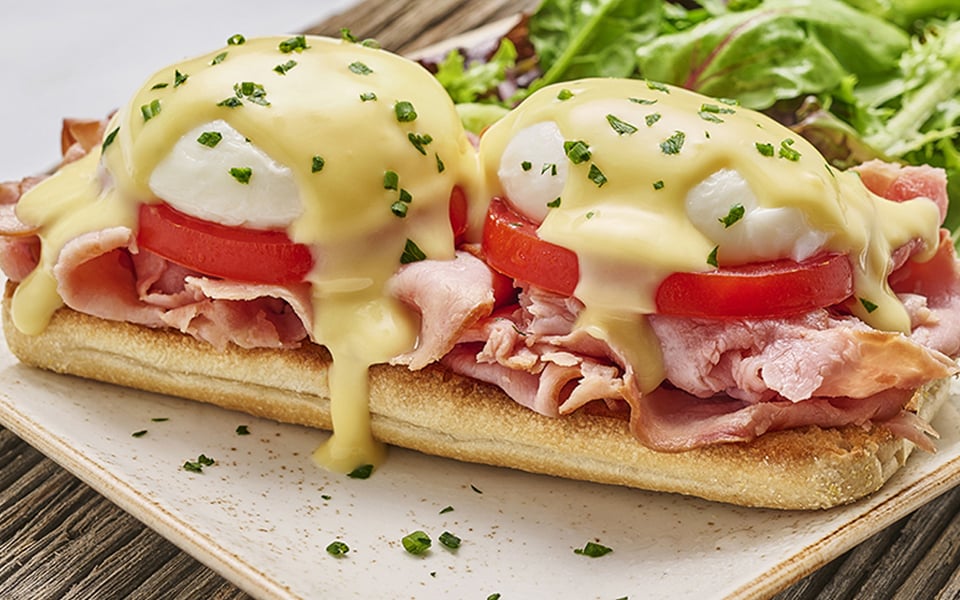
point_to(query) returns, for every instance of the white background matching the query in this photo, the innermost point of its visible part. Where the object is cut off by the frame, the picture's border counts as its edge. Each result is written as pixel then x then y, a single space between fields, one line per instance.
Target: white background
pixel 84 58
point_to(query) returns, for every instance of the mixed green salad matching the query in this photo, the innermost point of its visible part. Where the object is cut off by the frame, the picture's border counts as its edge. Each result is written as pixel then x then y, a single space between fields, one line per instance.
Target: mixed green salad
pixel 861 79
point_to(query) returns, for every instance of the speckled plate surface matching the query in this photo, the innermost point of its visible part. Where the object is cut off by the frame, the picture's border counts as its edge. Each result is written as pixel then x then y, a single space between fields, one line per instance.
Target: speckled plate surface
pixel 263 514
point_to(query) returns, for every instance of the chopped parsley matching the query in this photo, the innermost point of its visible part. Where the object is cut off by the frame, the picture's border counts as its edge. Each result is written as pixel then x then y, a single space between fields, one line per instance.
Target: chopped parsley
pixel 712 257
pixel 109 139
pixel 736 213
pixel 317 163
pixel 658 185
pixel 673 144
pixel 493 597
pixel 446 509
pixel 405 111
pixel 296 43
pixel 359 68
pixel 596 175
pixel 285 67
pixel 236 40
pixel 564 94
pixel 555 203
pixel 621 126
pixel 593 550
pixel 440 166
pixel 449 540
pixel 196 466
pixel 218 58
pixel 526 165
pixel 368 96
pixel 549 168
pixel 361 472
pixel 242 174
pixel 420 141
pixel 787 150
pixel 210 139
pixel 179 78
pixel 869 306
pixel 764 149
pixel 231 102
pixel 411 253
pixel 651 119
pixel 577 151
pixel 151 110
pixel 417 542
pixel 243 430
pixel 337 548
pixel 138 434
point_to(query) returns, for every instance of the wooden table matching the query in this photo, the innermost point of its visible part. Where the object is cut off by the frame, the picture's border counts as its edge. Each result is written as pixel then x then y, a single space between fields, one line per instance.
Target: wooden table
pixel 61 539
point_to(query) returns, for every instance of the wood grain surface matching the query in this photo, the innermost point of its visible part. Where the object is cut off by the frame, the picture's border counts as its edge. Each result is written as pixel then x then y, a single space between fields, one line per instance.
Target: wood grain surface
pixel 60 539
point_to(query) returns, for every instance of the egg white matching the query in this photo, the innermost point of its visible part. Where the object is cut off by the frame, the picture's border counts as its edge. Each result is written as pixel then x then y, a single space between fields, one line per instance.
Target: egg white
pixel 533 169
pixel 195 179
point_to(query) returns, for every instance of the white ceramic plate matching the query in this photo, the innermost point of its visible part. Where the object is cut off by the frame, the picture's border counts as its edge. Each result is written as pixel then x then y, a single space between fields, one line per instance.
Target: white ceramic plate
pixel 263 514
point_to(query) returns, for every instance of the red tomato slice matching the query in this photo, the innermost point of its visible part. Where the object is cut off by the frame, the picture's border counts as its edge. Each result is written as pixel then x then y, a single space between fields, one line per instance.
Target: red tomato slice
pixel 458 213
pixel 511 246
pixel 237 253
pixel 770 289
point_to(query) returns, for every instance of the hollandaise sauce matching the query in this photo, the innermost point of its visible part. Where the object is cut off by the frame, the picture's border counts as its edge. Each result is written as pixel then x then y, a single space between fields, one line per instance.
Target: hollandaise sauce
pixel 352 150
pixel 642 180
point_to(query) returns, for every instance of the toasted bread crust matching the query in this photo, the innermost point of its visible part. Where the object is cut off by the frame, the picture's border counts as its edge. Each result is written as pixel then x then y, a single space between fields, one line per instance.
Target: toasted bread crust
pixel 438 412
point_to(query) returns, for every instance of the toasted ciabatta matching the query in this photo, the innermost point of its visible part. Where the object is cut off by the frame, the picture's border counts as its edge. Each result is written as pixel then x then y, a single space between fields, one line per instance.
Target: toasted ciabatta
pixel 437 412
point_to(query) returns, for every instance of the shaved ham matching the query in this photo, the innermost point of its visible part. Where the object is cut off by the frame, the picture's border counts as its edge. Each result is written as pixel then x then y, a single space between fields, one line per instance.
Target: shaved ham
pixel 899 182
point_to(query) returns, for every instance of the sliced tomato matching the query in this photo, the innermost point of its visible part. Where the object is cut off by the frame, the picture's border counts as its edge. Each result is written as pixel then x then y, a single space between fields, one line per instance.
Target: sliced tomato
pixel 511 246
pixel 458 213
pixel 237 253
pixel 768 289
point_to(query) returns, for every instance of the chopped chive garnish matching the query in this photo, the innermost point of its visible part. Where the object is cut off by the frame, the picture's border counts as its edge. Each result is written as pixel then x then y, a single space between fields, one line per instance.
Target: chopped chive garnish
pixel 709 116
pixel 196 466
pixel 593 550
pixel 236 40
pixel 160 86
pixel 140 433
pixel 526 165
pixel 347 36
pixel 218 58
pixel 411 253
pixel 297 43
pixel 151 110
pixel 712 257
pixel 655 85
pixel 361 472
pixel 160 419
pixel 621 126
pixel 713 108
pixel 577 151
pixel 658 185
pixel 651 119
pixel 449 540
pixel 417 542
pixel 242 174
pixel 564 94
pixel 337 548
pixel 251 92
pixel 317 163
pixel 285 67
pixel 591 214
pixel 787 150
pixel 596 175
pixel 736 213
pixel 109 139
pixel 555 203
pixel 368 96
pixel 210 139
pixel 243 430
pixel 764 149
pixel 420 141
pixel 405 196
pixel 391 180
pixel 359 68
pixel 405 111
pixel 869 306
pixel 641 101
pixel 231 102
pixel 399 209
pixel 440 166
pixel 446 509
pixel 673 144
pixel 179 78
pixel 476 489
pixel 550 168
